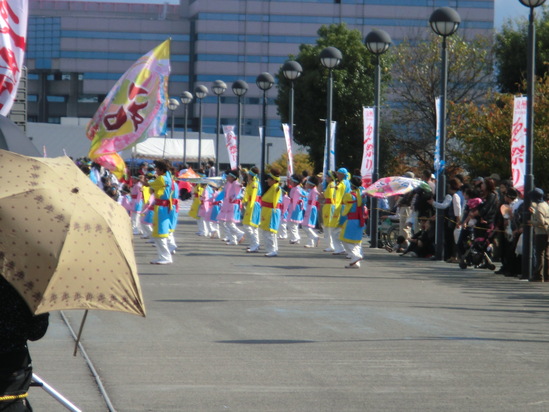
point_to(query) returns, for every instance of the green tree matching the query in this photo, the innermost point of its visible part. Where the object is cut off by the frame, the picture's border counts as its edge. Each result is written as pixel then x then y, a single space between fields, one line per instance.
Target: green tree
pixel 416 74
pixel 353 89
pixel 511 47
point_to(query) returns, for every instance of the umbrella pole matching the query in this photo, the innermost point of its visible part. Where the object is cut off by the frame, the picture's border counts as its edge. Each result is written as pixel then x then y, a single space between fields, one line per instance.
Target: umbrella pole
pixel 80 332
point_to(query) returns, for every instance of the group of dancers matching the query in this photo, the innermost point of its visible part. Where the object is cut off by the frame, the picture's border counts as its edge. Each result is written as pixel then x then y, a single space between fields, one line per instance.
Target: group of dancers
pixel 271 212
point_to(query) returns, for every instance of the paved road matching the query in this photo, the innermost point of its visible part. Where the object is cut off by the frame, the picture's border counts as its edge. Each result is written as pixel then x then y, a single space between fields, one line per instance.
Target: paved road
pixel 230 331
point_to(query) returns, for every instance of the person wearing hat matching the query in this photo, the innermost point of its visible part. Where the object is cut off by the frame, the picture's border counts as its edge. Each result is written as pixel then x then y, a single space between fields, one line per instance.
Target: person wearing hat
pixel 353 227
pixel 540 221
pixel 296 208
pixel 230 213
pixel 271 204
pixel 204 207
pixel 328 210
pixel 195 206
pixel 251 200
pixel 509 261
pixel 343 187
pixel 311 212
pixel 137 203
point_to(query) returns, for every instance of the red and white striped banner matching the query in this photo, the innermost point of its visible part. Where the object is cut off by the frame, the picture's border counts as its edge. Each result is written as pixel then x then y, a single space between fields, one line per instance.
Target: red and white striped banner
pixel 288 138
pixel 230 143
pixel 13 35
pixel 518 142
pixel 367 168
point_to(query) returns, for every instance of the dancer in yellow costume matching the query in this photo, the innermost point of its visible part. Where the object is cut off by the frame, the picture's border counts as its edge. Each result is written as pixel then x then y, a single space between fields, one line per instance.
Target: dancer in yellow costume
pixel 195 205
pixel 270 213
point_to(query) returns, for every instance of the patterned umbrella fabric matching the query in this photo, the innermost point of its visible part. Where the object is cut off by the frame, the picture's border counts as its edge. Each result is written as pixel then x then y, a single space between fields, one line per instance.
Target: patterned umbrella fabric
pixel 64 244
pixel 395 185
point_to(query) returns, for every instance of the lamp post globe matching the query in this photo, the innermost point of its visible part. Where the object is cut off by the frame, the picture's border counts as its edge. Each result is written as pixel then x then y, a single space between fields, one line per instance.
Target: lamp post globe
pixel 377 42
pixel 218 87
pixel 330 57
pixel 240 87
pixel 532 3
pixel 200 92
pixel 292 70
pixel 444 21
pixel 186 98
pixel 264 81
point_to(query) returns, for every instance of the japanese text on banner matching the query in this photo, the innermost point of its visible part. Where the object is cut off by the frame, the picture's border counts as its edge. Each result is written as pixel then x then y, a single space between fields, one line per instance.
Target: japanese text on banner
pixel 518 142
pixel 230 143
pixel 367 168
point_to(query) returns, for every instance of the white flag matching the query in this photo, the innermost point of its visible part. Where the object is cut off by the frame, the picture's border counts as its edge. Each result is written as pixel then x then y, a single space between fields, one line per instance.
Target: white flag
pixel 230 143
pixel 518 142
pixel 286 129
pixel 367 168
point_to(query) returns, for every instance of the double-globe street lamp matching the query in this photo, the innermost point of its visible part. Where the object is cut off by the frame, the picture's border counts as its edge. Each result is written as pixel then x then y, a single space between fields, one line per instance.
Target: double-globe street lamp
pixel 173 104
pixel 200 92
pixel 264 81
pixel 240 87
pixel 529 155
pixel 291 71
pixel 444 22
pixel 218 87
pixel 330 57
pixel 377 42
pixel 186 98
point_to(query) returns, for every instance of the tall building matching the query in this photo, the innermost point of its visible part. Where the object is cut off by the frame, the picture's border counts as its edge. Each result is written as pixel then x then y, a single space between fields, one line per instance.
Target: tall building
pixel 77 49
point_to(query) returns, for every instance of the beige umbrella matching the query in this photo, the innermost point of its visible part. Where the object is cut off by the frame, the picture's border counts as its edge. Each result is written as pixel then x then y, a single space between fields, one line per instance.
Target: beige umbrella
pixel 64 244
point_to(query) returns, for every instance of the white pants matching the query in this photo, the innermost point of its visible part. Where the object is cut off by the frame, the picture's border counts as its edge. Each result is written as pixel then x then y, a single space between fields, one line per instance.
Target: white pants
pixel 171 242
pixel 354 250
pixel 147 230
pixel 283 230
pixel 162 249
pixel 203 227
pixel 328 237
pixel 214 230
pixel 312 236
pixel 253 235
pixel 338 244
pixel 234 234
pixel 293 229
pixel 271 242
pixel 136 223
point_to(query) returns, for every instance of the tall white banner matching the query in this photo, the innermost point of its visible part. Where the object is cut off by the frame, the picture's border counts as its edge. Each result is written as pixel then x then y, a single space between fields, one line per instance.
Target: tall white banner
pixel 367 168
pixel 230 143
pixel 518 143
pixel 332 162
pixel 13 34
pixel 329 149
pixel 286 129
pixel 439 165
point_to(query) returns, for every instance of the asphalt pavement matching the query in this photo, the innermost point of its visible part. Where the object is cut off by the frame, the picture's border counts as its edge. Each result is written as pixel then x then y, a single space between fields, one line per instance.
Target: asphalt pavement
pixel 231 331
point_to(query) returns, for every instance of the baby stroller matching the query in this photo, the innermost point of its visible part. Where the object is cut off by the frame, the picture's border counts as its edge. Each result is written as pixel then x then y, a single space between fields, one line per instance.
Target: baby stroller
pixel 479 251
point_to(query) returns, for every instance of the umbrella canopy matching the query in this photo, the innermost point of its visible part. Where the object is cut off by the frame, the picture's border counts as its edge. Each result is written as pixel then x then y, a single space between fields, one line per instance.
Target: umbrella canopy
pixel 64 244
pixel 13 139
pixel 395 185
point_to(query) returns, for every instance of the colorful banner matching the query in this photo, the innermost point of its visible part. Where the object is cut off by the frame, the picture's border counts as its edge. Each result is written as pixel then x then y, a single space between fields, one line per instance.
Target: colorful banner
pixel 332 162
pixel 439 165
pixel 286 129
pixel 230 143
pixel 367 168
pixel 518 143
pixel 13 34
pixel 134 109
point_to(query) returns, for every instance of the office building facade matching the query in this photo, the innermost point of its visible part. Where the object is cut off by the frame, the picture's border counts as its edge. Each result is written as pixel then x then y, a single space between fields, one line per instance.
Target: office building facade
pixel 77 50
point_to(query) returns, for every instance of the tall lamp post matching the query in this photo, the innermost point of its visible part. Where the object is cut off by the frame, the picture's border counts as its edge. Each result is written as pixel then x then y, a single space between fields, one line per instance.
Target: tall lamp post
pixel 377 42
pixel 200 92
pixel 186 98
pixel 330 58
pixel 444 22
pixel 292 70
pixel 218 87
pixel 173 104
pixel 240 87
pixel 264 81
pixel 527 233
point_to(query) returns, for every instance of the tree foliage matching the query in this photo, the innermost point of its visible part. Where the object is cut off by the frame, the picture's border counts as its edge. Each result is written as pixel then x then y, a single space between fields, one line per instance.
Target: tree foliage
pixel 511 52
pixel 416 72
pixel 353 88
pixel 301 162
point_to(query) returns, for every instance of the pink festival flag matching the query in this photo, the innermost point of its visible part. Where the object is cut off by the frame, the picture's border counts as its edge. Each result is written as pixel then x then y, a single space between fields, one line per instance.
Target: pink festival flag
pixel 518 142
pixel 230 143
pixel 13 33
pixel 367 167
pixel 134 109
pixel 286 129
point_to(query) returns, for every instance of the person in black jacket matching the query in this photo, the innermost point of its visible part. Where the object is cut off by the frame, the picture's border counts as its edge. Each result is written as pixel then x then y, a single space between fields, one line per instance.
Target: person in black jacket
pixel 17 326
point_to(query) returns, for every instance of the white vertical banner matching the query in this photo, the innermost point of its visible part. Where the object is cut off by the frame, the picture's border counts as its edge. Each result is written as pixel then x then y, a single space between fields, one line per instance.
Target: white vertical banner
pixel 439 165
pixel 286 129
pixel 332 165
pixel 13 34
pixel 367 168
pixel 230 143
pixel 518 142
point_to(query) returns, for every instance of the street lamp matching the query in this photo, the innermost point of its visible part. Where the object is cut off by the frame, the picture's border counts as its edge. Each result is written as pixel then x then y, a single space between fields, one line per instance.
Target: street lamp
pixel 527 233
pixel 218 87
pixel 240 87
pixel 292 70
pixel 330 57
pixel 200 92
pixel 186 98
pixel 173 104
pixel 377 42
pixel 444 22
pixel 264 81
